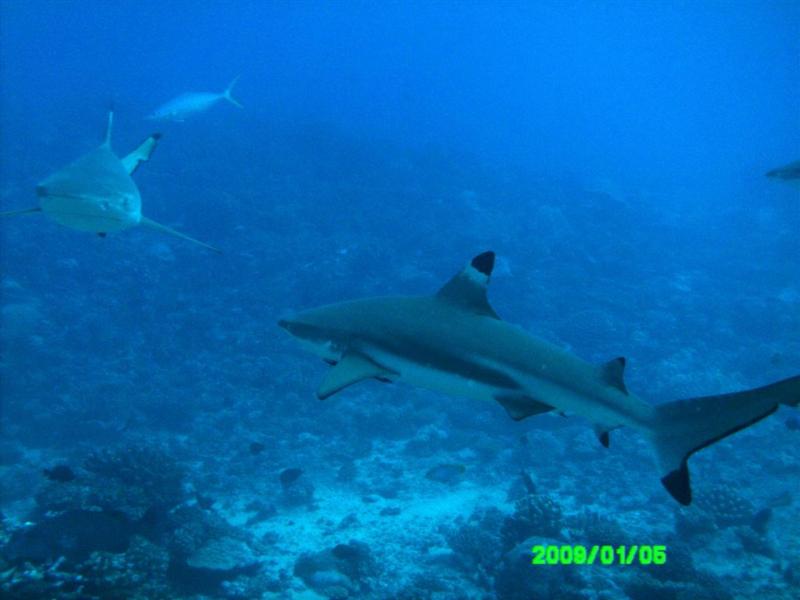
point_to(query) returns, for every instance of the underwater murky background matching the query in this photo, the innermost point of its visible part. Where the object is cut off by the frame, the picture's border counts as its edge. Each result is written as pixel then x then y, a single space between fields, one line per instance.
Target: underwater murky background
pixel 612 154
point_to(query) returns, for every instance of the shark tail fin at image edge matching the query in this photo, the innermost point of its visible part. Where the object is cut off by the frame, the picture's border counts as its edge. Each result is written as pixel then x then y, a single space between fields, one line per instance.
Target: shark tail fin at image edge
pixel 686 426
pixel 227 93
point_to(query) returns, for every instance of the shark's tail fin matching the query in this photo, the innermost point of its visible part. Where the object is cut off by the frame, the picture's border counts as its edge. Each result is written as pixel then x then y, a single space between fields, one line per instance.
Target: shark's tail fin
pixel 686 426
pixel 227 93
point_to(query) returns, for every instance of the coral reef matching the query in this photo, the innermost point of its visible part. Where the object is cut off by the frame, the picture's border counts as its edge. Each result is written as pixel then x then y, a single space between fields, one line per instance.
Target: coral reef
pixel 338 572
pixel 534 515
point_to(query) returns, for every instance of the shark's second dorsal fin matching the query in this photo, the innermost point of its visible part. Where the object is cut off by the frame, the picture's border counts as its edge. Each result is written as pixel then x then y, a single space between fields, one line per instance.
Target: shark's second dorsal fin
pixel 468 288
pixel 613 373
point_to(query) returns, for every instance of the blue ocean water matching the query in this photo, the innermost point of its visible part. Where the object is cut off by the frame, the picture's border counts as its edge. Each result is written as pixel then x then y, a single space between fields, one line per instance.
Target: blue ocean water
pixel 161 436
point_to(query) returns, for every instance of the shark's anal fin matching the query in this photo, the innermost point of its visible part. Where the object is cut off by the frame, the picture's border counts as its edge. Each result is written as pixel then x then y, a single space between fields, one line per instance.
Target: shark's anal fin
pixel 183 236
pixel 352 368
pixel 604 438
pixel 613 373
pixel 468 288
pixel 603 434
pixel 519 406
pixel 24 211
pixel 142 154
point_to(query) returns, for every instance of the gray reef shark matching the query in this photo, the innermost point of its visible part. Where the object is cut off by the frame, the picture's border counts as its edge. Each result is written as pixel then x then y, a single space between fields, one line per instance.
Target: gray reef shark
pixel 191 103
pixel 789 173
pixel 454 342
pixel 96 192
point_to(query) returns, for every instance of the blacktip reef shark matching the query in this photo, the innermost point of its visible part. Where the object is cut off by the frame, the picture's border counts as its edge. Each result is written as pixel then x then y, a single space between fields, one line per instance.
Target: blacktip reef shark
pixel 789 173
pixel 96 192
pixel 454 342
pixel 190 103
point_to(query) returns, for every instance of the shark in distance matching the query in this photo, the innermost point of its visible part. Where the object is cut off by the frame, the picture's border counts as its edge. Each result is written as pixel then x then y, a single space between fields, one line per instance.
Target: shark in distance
pixel 454 342
pixel 96 193
pixel 192 103
pixel 789 173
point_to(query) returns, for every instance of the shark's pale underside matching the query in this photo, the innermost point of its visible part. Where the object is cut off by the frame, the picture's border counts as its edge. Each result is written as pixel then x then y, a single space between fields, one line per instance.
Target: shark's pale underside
pixel 96 192
pixel 454 342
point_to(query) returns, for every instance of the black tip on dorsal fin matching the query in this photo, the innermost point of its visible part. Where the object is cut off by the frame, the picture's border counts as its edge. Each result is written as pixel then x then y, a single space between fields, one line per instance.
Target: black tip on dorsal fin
pixel 156 136
pixel 677 484
pixel 604 438
pixel 484 263
pixel 467 288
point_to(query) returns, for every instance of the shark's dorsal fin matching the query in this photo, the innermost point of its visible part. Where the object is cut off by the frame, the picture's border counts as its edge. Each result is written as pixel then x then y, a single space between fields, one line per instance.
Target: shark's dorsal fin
pixel 520 406
pixel 468 288
pixel 613 373
pixel 352 368
pixel 109 127
pixel 142 153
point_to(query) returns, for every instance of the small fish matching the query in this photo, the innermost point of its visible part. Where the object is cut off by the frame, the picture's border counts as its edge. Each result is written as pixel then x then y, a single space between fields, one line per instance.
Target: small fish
pixel 289 476
pixel 346 552
pixel 204 502
pixel 527 481
pixel 256 448
pixel 446 473
pixel 192 103
pixel 61 473
pixel 761 520
pixel 781 500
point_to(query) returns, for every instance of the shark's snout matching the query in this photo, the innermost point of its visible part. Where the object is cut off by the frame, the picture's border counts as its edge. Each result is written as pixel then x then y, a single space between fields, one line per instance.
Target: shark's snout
pixel 287 323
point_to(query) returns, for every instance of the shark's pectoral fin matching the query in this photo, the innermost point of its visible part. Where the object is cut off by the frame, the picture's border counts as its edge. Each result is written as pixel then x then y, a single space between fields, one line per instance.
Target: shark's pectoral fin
pixel 24 211
pixel 353 367
pixel 183 236
pixel 142 154
pixel 519 406
pixel 468 288
pixel 613 373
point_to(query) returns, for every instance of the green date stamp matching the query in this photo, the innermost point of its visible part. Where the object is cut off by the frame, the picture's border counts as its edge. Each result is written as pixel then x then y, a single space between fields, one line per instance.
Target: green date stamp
pixel 599 554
